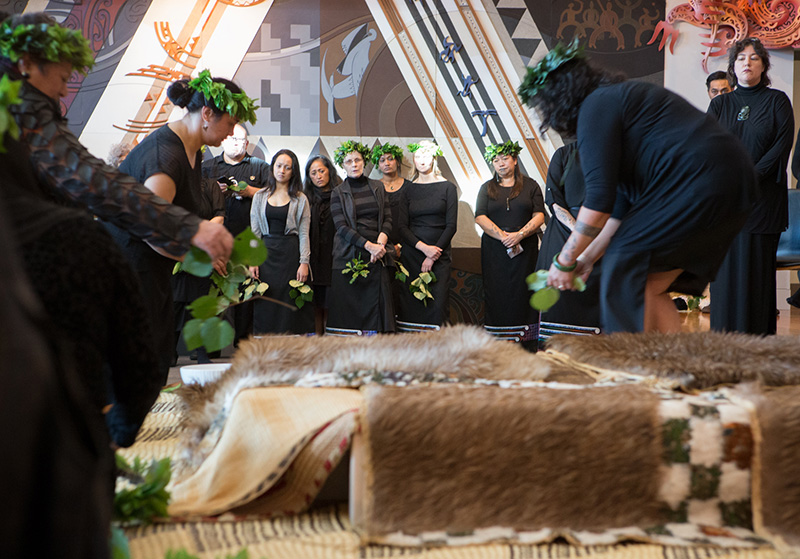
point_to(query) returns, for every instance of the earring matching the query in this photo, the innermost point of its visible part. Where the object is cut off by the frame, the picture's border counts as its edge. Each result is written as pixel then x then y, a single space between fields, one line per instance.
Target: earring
pixel 205 127
pixel 25 75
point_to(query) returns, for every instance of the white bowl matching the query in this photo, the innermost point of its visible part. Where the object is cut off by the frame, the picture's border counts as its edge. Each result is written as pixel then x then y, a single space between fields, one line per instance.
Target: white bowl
pixel 202 374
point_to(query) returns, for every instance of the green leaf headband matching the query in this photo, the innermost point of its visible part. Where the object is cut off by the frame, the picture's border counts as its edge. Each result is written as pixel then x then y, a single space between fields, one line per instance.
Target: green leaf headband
pixel 238 105
pixel 46 41
pixel 391 149
pixel 413 148
pixel 508 148
pixel 536 77
pixel 348 147
pixel 9 95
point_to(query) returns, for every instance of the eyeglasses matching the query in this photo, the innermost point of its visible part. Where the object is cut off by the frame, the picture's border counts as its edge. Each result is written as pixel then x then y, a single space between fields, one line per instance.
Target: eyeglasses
pixel 351 161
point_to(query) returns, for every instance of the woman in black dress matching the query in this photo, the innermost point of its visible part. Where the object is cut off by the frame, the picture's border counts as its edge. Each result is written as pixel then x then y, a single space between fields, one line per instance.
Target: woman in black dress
pixel 744 290
pixel 510 210
pixel 320 180
pixel 388 158
pixel 363 224
pixel 281 216
pixel 564 196
pixel 427 221
pixel 160 162
pixel 676 185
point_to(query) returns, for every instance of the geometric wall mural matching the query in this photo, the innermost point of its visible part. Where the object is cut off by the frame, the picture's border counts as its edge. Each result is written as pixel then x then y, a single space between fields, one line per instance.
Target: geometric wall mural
pixel 326 71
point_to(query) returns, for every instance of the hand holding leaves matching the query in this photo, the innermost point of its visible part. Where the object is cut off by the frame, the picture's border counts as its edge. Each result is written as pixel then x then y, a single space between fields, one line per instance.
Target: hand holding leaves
pixel 546 296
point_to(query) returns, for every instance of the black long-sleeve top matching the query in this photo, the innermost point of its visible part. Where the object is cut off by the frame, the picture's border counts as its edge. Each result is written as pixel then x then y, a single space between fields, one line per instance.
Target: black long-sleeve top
pixel 762 118
pixel 428 213
pixel 67 172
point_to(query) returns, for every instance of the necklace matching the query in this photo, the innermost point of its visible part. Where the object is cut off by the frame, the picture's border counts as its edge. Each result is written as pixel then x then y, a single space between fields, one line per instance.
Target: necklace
pixel 394 185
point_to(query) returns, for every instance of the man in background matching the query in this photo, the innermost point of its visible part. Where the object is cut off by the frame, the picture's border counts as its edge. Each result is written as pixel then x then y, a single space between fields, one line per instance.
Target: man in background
pixel 234 162
pixel 717 83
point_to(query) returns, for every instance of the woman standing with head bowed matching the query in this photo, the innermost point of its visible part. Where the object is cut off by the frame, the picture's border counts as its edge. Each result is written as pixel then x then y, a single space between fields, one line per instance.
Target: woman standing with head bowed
pixel 281 216
pixel 428 218
pixel 320 180
pixel 363 224
pixel 510 210
pixel 673 185
pixel 744 292
pixel 168 162
pixel 41 53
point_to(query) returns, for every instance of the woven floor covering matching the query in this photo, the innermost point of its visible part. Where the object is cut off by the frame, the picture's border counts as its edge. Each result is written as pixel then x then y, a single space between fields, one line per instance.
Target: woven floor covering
pixel 327 533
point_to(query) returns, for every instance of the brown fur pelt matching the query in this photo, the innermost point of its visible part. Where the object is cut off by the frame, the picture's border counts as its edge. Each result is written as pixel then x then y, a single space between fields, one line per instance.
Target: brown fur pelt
pixel 777 493
pixel 690 360
pixel 460 458
pixel 461 352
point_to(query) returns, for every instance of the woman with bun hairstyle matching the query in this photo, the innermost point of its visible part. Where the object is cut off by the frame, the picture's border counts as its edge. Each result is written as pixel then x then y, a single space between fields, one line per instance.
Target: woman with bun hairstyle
pixel 169 162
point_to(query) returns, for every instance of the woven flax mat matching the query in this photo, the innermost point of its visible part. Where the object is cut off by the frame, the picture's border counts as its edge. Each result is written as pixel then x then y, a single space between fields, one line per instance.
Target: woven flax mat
pixel 327 532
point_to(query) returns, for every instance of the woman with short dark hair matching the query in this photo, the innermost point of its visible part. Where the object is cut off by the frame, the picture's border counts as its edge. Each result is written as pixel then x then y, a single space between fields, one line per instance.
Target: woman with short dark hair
pixel 744 292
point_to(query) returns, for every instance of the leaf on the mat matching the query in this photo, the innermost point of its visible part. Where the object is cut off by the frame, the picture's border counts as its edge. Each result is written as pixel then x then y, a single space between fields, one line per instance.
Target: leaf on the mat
pixel 148 498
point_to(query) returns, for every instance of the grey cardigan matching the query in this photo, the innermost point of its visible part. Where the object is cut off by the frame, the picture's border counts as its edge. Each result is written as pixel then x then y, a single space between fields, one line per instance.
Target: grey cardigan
pixel 297 222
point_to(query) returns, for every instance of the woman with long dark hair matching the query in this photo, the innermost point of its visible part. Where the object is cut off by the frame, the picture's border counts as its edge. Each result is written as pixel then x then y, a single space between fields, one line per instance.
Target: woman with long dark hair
pixel 213 106
pixel 743 293
pixel 675 187
pixel 320 180
pixel 510 210
pixel 281 216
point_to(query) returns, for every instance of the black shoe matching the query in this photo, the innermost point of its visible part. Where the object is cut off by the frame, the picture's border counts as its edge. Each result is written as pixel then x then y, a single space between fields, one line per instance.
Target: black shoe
pixel 794 302
pixel 680 304
pixel 706 309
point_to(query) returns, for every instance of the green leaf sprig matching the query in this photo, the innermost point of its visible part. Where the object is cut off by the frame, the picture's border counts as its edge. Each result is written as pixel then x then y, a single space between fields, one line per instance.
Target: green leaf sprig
pixel 402 273
pixel 46 41
pixel 545 296
pixel 419 287
pixel 508 148
pixel 536 77
pixel 206 327
pixel 300 293
pixel 238 105
pixel 148 498
pixel 238 187
pixel 391 149
pixel 9 95
pixel 183 554
pixel 357 268
pixel 413 148
pixel 349 147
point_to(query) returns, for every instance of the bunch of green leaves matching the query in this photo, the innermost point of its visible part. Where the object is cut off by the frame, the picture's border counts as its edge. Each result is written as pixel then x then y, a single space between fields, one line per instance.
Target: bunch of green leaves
pixel 148 498
pixel 546 296
pixel 413 148
pixel 401 273
pixel 238 105
pixel 508 148
pixel 183 554
pixel 536 77
pixel 419 287
pixel 693 302
pixel 206 327
pixel 45 41
pixel 300 293
pixel 238 187
pixel 9 95
pixel 349 147
pixel 356 267
pixel 391 149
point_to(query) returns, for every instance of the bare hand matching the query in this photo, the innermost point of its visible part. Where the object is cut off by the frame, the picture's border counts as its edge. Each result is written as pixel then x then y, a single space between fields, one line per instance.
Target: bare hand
pixel 583 270
pixel 375 250
pixel 397 249
pixel 431 251
pixel 253 271
pixel 560 280
pixel 223 187
pixel 215 239
pixel 220 267
pixel 512 239
pixel 427 265
pixel 302 273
